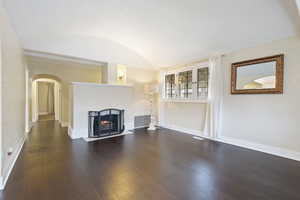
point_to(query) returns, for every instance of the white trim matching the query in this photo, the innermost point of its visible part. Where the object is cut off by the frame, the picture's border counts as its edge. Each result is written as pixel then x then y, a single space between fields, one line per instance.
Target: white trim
pixel 44 113
pixel 14 158
pixel 40 54
pixel 27 120
pixel 77 133
pixel 277 151
pixel 186 131
pixel 57 102
pixel 140 127
pixel 195 98
pixel 298 5
pixel 198 138
pixel 45 80
pixel 34 101
pixel 187 68
pixel 70 132
pixel 182 129
pixel 101 85
pixel 57 98
pixel 64 124
pixel 29 127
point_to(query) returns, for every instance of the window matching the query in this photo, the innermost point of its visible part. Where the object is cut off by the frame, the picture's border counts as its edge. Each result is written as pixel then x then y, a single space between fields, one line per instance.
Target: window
pixel 185 84
pixel 202 81
pixel 188 84
pixel 170 86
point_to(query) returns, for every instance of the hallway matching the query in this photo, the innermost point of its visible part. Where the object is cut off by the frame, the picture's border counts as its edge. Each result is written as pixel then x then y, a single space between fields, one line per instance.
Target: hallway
pixel 47 117
pixel 167 165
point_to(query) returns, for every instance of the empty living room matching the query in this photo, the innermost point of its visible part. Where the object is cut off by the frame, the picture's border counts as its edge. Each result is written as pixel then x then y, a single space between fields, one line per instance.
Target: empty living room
pixel 150 100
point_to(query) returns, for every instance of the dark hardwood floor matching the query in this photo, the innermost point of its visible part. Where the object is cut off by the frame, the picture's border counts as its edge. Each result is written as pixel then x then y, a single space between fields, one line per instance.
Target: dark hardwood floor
pixel 161 166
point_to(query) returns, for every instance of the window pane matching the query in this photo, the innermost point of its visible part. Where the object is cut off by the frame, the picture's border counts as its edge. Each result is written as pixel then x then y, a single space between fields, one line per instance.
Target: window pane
pixel 202 81
pixel 170 85
pixel 181 81
pixel 185 84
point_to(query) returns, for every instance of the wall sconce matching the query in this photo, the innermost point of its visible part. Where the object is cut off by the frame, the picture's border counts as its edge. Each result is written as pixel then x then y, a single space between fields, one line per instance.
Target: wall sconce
pixel 121 74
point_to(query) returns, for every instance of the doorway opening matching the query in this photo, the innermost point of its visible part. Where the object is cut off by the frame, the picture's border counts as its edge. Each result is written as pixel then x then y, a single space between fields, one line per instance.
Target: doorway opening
pixel 46 99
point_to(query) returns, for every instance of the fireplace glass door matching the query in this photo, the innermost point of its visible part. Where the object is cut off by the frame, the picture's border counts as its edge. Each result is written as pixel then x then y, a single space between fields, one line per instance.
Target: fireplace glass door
pixel 106 122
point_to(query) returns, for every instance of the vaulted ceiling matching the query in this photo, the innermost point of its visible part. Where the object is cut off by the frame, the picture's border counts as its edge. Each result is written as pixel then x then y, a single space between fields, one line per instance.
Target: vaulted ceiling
pixel 150 33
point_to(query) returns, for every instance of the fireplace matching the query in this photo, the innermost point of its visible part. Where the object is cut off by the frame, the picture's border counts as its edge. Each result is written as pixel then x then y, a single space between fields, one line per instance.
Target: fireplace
pixel 106 122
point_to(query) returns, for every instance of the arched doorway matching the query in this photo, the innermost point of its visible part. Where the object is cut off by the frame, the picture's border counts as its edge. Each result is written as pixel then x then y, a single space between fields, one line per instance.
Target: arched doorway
pixel 45 97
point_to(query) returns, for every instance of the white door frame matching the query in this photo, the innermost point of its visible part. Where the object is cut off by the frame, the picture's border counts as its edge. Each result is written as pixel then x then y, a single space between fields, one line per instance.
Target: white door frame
pixel 34 101
pixel 57 101
pixel 57 98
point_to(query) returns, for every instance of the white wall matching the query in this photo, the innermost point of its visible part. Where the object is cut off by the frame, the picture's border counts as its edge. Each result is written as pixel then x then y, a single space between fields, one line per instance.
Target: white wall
pixel 96 97
pixel 67 72
pixel 138 78
pixel 187 117
pixel 267 119
pixel 12 102
pixel 266 122
pixel 183 116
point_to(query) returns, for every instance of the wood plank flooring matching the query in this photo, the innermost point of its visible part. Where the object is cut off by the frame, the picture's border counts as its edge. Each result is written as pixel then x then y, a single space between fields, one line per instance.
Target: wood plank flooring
pixel 46 117
pixel 166 165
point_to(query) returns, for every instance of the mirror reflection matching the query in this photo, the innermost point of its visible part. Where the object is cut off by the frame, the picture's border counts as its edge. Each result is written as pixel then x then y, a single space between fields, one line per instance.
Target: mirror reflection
pixel 256 76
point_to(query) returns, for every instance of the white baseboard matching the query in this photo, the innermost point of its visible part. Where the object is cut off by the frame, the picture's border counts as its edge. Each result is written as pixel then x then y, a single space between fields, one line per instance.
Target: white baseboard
pixel 44 113
pixel 77 133
pixel 184 130
pixel 64 124
pixel 12 160
pixel 71 134
pixel 70 130
pixel 29 127
pixel 277 151
pixel 281 152
pixel 140 127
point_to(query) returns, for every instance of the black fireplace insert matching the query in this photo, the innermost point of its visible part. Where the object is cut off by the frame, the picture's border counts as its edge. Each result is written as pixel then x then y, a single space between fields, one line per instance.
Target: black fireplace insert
pixel 106 122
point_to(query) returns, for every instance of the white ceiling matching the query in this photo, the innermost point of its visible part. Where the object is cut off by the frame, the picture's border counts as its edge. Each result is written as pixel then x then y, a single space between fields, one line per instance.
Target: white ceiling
pixel 150 32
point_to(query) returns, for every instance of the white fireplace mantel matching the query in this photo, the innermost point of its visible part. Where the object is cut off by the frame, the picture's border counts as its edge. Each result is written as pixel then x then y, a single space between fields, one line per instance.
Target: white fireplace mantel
pixel 87 97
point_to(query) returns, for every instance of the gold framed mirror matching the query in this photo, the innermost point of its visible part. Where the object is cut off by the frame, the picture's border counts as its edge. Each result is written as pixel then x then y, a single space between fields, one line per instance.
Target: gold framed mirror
pixel 258 76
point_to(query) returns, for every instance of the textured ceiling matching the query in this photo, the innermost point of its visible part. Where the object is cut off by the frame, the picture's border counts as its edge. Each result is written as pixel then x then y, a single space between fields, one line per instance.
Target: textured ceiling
pixel 152 33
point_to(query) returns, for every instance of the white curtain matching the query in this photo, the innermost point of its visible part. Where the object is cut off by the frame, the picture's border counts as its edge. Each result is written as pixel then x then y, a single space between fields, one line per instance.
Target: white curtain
pixel 215 97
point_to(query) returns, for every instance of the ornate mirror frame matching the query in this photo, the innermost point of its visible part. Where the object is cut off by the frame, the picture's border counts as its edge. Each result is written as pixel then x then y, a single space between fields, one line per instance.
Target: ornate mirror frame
pixel 279 59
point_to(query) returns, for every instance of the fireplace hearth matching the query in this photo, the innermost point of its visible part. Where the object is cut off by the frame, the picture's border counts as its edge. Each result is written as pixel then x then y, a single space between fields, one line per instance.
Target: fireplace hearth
pixel 106 122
